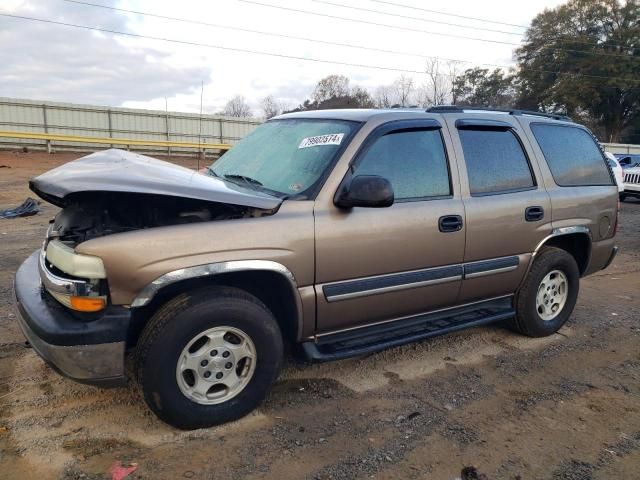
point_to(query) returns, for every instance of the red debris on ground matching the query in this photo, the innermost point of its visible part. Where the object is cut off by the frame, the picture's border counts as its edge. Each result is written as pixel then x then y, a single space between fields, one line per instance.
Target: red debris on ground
pixel 119 472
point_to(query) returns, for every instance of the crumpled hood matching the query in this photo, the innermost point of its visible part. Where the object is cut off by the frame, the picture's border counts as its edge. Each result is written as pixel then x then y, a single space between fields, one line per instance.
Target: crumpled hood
pixel 117 170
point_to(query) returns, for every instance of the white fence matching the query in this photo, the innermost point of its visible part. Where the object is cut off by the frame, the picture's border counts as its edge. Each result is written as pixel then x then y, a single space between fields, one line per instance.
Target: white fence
pixel 621 148
pixel 105 122
pixel 135 124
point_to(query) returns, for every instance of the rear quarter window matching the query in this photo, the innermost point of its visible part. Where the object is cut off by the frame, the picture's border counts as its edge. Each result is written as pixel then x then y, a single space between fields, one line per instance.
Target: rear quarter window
pixel 572 154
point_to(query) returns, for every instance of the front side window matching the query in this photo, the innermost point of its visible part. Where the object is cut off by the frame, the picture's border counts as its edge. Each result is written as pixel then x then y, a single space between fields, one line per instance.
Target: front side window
pixel 285 157
pixel 572 155
pixel 495 162
pixel 414 161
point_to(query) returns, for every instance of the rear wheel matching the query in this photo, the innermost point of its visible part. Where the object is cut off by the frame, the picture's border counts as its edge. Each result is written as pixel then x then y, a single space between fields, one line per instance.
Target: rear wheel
pixel 549 293
pixel 209 357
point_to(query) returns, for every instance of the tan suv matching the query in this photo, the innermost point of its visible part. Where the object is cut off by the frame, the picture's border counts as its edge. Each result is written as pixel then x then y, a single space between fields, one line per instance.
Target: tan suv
pixel 344 232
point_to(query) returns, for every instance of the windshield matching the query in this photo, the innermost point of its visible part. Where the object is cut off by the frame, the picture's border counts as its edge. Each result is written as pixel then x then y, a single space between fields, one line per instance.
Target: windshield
pixel 285 157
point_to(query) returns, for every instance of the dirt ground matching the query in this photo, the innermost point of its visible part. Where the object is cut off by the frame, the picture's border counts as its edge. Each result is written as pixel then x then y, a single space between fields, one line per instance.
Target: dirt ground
pixel 563 407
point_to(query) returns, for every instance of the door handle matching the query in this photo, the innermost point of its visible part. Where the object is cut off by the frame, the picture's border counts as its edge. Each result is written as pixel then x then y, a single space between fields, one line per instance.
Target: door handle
pixel 533 214
pixel 450 223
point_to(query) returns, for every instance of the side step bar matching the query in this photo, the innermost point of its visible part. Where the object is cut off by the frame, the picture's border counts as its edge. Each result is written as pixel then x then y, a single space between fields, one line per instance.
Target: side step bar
pixel 369 339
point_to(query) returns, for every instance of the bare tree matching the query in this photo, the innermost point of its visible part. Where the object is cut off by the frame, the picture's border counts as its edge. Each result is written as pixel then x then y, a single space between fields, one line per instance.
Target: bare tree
pixel 331 87
pixel 404 90
pixel 455 69
pixel 384 96
pixel 437 86
pixel 270 107
pixel 237 107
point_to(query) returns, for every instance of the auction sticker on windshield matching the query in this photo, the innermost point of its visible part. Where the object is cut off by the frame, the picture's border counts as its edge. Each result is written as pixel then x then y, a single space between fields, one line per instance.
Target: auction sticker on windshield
pixel 330 139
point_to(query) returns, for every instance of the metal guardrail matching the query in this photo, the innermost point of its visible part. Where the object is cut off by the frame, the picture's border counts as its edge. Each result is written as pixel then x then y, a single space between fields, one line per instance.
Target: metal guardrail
pixel 48 137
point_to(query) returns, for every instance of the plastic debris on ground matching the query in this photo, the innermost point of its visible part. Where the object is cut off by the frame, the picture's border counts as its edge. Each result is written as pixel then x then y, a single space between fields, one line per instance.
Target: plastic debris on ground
pixel 119 472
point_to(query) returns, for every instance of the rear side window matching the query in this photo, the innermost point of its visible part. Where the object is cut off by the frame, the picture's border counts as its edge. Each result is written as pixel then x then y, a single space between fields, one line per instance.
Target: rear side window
pixel 414 161
pixel 495 162
pixel 572 155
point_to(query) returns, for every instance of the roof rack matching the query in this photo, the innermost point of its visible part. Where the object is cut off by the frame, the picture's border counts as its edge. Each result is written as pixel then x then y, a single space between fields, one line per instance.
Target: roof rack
pixel 510 111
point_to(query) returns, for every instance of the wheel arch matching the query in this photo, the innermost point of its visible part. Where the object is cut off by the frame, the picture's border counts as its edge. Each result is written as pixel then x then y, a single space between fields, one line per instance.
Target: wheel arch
pixel 271 282
pixel 574 240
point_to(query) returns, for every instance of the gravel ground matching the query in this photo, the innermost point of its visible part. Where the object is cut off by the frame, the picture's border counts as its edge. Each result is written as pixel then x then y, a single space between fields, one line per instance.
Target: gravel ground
pixel 486 400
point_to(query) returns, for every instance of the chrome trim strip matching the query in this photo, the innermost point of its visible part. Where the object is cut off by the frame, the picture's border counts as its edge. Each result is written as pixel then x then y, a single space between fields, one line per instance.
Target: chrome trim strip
pixel 365 292
pixel 491 272
pixel 556 232
pixel 394 288
pixel 59 285
pixel 481 268
pixel 148 292
pixel 333 332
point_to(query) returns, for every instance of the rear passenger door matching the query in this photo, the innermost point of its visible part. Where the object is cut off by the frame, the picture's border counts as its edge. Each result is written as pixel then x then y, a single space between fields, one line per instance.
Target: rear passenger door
pixel 507 208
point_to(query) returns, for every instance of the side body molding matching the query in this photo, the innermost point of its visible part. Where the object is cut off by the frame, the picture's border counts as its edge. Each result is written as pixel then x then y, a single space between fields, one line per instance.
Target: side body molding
pixel 148 292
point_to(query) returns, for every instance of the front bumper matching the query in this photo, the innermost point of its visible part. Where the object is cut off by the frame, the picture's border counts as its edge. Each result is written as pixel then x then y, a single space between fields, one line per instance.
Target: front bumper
pixel 88 348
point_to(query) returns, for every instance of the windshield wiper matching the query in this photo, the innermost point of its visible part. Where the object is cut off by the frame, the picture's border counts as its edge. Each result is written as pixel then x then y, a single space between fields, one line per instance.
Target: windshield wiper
pixel 244 178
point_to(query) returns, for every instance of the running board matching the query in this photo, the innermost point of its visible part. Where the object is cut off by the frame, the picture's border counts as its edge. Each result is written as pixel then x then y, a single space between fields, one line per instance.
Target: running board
pixel 369 339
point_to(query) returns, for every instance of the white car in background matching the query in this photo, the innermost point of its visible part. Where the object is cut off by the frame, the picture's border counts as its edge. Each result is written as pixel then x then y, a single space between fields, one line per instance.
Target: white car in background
pixel 631 183
pixel 617 171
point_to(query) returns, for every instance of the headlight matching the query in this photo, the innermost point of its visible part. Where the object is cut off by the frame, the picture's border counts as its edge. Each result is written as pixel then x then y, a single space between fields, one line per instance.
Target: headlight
pixel 82 291
pixel 67 260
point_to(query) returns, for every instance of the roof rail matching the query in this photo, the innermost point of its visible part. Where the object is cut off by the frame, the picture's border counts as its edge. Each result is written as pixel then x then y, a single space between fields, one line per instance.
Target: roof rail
pixel 510 111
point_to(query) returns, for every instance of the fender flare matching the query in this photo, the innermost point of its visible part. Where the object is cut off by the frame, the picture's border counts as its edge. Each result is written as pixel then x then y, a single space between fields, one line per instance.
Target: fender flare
pixel 558 232
pixel 211 269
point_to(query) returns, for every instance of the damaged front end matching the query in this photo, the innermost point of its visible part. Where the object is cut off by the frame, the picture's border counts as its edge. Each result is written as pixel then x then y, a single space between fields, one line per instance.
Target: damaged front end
pixel 64 296
pixel 115 191
pixel 90 215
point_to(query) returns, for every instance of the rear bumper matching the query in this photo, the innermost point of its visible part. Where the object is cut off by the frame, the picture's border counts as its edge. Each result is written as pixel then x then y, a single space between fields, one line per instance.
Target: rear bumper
pixel 602 255
pixel 614 252
pixel 90 349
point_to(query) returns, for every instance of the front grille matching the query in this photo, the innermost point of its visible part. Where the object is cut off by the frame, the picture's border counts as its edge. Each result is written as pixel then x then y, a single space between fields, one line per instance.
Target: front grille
pixel 632 178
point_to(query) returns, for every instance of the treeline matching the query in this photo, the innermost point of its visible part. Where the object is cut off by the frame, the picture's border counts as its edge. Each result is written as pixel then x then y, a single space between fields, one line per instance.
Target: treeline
pixel 581 59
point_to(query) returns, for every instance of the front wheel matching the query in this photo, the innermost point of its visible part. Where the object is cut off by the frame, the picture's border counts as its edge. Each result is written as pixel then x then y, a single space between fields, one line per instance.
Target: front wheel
pixel 549 294
pixel 209 357
pixel 623 197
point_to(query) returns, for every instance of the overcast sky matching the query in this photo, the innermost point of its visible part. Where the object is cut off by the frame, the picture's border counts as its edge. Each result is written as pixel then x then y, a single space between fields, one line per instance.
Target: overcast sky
pixel 52 62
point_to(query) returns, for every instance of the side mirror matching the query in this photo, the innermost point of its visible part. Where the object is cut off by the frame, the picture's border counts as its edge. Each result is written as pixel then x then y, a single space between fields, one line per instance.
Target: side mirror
pixel 370 191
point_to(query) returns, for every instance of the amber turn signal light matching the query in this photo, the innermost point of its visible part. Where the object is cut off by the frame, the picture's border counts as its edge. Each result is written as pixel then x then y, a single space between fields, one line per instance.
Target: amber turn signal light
pixel 87 304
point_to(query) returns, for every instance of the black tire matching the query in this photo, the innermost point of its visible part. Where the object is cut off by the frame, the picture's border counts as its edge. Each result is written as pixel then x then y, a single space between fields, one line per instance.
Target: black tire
pixel 623 196
pixel 528 320
pixel 175 324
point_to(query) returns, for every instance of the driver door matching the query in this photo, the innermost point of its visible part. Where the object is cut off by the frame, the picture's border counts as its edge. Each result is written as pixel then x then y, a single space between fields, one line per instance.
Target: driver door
pixel 377 264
